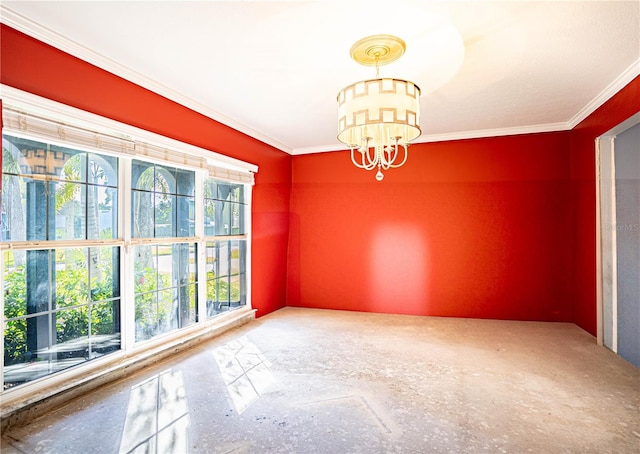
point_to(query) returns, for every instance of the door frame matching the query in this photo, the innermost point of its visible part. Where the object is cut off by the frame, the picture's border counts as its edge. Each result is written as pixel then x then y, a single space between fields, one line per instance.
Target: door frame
pixel 606 259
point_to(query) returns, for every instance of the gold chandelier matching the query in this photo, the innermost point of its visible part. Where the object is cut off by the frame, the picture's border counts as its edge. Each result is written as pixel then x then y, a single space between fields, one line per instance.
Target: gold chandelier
pixel 377 118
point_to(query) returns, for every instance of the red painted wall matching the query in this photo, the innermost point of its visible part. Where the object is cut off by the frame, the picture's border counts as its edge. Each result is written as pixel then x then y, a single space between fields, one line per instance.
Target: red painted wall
pixel 35 67
pixel 583 198
pixel 493 228
pixel 473 228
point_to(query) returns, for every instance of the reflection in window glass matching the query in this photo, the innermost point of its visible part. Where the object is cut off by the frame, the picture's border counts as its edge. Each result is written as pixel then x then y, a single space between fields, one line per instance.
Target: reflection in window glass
pixel 163 201
pixel 62 298
pixel 224 208
pixel 165 288
pixel 142 221
pixel 165 215
pixel 62 304
pixel 69 200
pixel 54 320
pixel 224 213
pixel 79 202
pixel 226 275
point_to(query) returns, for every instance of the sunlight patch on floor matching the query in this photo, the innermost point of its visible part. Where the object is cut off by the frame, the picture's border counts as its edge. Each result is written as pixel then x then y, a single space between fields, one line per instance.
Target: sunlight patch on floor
pixel 157 416
pixel 245 371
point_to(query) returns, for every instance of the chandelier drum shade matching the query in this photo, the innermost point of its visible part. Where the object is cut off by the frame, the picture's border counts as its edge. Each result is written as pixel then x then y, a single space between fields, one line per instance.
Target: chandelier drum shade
pixel 377 118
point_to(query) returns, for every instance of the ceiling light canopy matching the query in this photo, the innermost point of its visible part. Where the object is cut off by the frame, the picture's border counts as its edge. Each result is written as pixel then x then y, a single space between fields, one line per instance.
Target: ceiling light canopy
pixel 377 118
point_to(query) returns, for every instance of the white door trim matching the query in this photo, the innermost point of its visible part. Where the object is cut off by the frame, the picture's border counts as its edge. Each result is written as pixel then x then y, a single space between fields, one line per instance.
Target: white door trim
pixel 606 251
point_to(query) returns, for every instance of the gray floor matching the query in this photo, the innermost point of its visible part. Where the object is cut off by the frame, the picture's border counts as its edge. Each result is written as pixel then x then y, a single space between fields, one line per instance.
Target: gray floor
pixel 319 381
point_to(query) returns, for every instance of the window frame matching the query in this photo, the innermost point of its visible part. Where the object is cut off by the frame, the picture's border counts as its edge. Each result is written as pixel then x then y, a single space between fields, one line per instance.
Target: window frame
pixel 145 146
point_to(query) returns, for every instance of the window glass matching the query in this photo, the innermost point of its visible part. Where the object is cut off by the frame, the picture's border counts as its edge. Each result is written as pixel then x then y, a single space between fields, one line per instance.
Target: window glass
pixel 70 207
pixel 224 213
pixel 71 275
pixel 13 208
pixel 165 288
pixel 226 275
pixel 185 182
pixel 143 175
pixel 142 221
pixel 102 206
pixel 62 298
pixel 79 201
pixel 186 216
pixel 165 215
pixel 224 208
pixel 209 217
pixel 61 304
pixel 163 201
pixel 52 320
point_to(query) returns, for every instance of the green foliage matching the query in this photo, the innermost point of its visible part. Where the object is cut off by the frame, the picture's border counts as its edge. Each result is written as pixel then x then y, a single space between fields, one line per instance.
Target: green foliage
pixel 149 314
pixel 211 286
pixel 15 293
pixel 71 324
pixel 67 192
pixel 218 289
pixel 15 334
pixel 9 164
pixel 71 286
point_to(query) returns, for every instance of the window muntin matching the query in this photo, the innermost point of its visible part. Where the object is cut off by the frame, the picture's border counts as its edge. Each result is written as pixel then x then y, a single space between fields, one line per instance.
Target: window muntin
pixel 165 289
pixel 224 208
pixel 226 275
pixel 55 193
pixel 224 216
pixel 165 272
pixel 163 201
pixel 61 303
pixel 68 218
pixel 61 308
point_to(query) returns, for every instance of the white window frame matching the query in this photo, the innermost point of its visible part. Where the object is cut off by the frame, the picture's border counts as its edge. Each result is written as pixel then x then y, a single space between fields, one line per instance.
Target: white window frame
pixel 94 133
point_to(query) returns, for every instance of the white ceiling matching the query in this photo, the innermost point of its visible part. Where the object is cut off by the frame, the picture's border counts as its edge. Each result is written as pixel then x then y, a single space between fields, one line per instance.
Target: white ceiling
pixel 272 69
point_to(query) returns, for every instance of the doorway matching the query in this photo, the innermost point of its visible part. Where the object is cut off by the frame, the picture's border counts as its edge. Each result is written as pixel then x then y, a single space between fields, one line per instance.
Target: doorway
pixel 618 239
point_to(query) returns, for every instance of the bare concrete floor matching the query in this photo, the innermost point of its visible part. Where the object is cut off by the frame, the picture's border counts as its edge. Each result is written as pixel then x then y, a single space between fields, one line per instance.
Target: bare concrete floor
pixel 319 381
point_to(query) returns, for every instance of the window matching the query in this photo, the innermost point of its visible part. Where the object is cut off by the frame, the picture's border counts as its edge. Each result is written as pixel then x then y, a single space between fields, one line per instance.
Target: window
pixel 163 200
pixel 104 238
pixel 61 304
pixel 224 217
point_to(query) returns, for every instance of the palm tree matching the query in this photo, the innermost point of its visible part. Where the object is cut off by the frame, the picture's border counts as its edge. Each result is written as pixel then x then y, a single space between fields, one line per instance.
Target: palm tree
pixel 13 215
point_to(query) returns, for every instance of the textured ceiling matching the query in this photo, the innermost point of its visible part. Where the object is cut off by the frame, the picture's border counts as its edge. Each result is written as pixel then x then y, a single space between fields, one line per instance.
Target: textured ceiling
pixel 272 69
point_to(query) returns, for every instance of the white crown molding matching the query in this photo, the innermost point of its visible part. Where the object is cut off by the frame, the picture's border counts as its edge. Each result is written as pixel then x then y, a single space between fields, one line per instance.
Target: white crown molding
pixel 35 30
pixel 461 135
pixel 498 132
pixel 319 149
pixel 614 87
pixel 44 34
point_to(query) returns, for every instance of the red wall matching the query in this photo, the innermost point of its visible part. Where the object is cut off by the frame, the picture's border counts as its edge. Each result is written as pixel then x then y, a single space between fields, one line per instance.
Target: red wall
pixel 583 198
pixel 495 228
pixel 32 66
pixel 473 228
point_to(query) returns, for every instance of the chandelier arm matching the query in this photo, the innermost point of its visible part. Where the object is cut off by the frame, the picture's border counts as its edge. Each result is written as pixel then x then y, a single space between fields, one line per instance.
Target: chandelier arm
pixel 369 154
pixel 366 165
pixel 372 155
pixel 406 153
pixel 393 154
